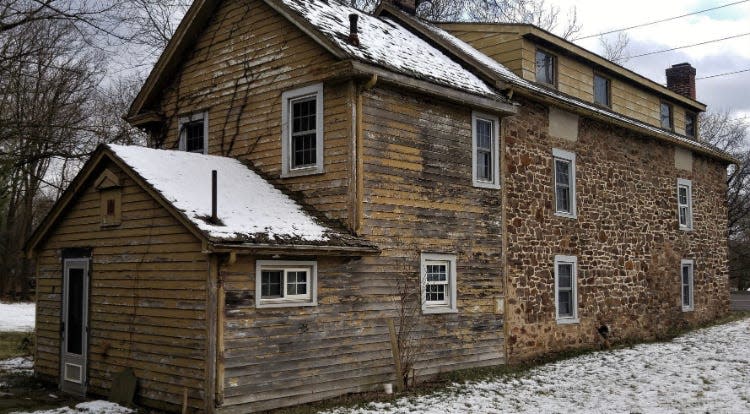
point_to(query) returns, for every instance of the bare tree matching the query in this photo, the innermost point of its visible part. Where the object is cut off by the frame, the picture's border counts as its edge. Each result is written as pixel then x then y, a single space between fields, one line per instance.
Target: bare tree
pixel 536 12
pixel 614 48
pixel 729 133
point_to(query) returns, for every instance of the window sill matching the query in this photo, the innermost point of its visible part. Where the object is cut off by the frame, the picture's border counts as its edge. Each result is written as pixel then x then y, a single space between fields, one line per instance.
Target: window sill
pixel 690 309
pixel 284 304
pixel 435 310
pixel 300 172
pixel 483 184
pixel 568 321
pixel 566 215
pixel 688 229
pixel 109 225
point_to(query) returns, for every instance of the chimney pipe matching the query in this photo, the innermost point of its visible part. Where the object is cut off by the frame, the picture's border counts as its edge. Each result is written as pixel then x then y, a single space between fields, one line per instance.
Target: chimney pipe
pixel 681 79
pixel 353 30
pixel 214 217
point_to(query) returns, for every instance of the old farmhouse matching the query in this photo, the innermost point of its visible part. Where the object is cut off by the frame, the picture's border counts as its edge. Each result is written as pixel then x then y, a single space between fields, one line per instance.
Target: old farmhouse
pixel 317 175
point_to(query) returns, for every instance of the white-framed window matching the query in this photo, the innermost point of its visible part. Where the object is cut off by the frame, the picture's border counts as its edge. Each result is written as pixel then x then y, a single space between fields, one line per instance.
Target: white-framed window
pixel 546 70
pixel 302 131
pixel 193 130
pixel 686 279
pixel 566 291
pixel 282 283
pixel 565 182
pixel 485 131
pixel 685 204
pixel 438 274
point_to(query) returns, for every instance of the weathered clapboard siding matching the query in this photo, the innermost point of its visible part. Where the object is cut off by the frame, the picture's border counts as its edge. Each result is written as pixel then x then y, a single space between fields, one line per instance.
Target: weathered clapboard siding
pixel 575 76
pixel 241 63
pixel 147 302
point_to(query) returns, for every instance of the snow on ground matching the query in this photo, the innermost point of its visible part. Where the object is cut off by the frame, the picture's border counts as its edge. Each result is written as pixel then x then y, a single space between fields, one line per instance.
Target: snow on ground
pixel 17 365
pixel 91 407
pixel 17 317
pixel 704 371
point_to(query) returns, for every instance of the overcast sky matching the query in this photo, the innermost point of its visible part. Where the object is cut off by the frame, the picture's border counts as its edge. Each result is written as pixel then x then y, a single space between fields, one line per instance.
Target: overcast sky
pixel 725 92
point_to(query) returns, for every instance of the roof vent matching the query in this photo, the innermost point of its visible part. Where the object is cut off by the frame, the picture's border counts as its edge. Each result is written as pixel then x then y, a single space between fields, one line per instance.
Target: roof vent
pixel 353 31
pixel 681 79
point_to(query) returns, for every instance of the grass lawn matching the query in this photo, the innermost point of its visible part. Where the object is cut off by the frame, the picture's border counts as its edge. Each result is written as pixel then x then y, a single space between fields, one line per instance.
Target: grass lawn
pixel 15 344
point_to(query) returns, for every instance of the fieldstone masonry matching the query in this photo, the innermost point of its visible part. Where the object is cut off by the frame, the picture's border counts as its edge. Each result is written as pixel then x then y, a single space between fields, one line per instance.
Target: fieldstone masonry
pixel 626 236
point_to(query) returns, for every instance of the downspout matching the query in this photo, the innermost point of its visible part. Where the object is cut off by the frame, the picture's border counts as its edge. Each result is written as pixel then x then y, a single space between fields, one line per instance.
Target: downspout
pixel 504 228
pixel 220 303
pixel 211 323
pixel 359 155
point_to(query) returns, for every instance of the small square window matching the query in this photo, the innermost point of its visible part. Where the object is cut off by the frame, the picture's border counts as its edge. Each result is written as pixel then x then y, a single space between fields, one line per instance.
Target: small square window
pixel 690 125
pixel 602 90
pixel 302 131
pixel 685 204
pixel 285 283
pixel 686 276
pixel 666 116
pixel 485 130
pixel 194 133
pixel 566 291
pixel 438 283
pixel 565 182
pixel 545 68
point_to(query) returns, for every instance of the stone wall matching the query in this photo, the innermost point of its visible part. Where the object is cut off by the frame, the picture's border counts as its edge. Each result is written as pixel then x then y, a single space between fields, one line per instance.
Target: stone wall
pixel 626 236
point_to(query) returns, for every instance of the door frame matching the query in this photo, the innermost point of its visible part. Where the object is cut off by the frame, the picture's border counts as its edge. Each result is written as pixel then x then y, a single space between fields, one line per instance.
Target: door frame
pixel 76 386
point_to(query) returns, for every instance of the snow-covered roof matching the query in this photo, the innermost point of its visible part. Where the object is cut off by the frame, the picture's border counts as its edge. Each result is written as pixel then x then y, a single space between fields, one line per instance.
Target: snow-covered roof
pixel 249 207
pixel 505 74
pixel 386 43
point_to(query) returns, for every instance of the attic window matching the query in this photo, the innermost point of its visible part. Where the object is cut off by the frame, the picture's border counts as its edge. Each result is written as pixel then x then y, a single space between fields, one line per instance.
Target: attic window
pixel 602 88
pixel 665 114
pixel 690 124
pixel 545 68
pixel 110 198
pixel 194 133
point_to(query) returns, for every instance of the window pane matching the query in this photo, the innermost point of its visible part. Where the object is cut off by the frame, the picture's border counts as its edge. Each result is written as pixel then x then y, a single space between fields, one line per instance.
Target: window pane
pixel 685 275
pixel 484 134
pixel 303 150
pixel 686 295
pixel 683 195
pixel 296 283
pixel 303 115
pixel 564 276
pixel 690 125
pixel 75 311
pixel 565 303
pixel 545 66
pixel 666 116
pixel 683 216
pixel 437 273
pixel 562 172
pixel 563 199
pixel 435 293
pixel 193 136
pixel 484 165
pixel 601 90
pixel 271 282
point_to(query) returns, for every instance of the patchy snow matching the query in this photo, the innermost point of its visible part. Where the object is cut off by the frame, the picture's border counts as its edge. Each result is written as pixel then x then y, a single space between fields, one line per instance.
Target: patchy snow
pixel 248 205
pixel 90 407
pixel 19 365
pixel 388 44
pixel 17 317
pixel 704 371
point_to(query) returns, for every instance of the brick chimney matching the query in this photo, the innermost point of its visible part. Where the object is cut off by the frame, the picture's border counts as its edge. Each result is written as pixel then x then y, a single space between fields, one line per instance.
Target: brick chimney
pixel 681 79
pixel 408 6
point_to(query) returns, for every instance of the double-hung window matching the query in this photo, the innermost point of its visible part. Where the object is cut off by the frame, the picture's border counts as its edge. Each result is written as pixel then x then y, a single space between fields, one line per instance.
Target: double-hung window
pixel 565 182
pixel 686 276
pixel 302 131
pixel 285 283
pixel 602 90
pixel 665 116
pixel 545 68
pixel 194 133
pixel 438 274
pixel 566 301
pixel 486 154
pixel 690 125
pixel 685 204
